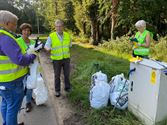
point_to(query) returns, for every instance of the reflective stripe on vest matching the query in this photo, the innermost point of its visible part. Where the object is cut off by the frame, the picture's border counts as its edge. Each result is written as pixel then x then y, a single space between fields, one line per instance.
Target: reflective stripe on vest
pixel 141 51
pixel 60 49
pixel 141 39
pixel 11 70
pixel 8 70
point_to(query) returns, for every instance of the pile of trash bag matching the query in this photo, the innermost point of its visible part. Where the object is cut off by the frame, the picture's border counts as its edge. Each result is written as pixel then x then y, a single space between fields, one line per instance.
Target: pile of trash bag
pixel 101 91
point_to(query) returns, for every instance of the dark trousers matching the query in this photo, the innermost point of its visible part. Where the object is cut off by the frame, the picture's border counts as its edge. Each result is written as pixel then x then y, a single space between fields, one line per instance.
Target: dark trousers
pixel 57 66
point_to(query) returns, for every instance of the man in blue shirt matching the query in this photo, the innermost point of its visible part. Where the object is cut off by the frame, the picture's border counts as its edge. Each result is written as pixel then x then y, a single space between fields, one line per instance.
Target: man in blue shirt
pixel 61 59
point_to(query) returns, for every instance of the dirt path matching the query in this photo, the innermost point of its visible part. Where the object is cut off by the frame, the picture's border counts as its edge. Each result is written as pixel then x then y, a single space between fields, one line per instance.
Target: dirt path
pixel 65 115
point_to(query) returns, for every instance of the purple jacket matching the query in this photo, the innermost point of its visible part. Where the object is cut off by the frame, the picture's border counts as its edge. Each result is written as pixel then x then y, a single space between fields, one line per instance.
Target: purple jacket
pixel 11 49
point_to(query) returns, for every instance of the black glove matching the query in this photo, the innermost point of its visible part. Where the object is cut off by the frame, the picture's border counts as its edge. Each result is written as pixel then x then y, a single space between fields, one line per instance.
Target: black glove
pixel 38 45
pixel 133 40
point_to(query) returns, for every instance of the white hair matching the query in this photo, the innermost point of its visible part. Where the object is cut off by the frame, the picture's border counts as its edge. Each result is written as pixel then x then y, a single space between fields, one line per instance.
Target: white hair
pixel 6 16
pixel 59 21
pixel 140 23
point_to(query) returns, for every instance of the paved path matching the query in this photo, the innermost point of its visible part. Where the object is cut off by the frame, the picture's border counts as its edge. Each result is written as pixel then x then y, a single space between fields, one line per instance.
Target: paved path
pixel 40 115
pixel 57 111
pixel 62 107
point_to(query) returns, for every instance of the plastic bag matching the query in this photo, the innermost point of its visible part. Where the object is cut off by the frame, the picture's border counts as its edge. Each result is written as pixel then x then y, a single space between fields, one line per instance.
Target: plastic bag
pixel 41 93
pixel 119 91
pixel 100 89
pixel 98 76
pixel 31 82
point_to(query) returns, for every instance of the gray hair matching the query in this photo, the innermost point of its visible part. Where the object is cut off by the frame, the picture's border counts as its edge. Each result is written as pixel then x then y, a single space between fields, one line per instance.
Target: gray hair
pixel 59 21
pixel 140 23
pixel 6 16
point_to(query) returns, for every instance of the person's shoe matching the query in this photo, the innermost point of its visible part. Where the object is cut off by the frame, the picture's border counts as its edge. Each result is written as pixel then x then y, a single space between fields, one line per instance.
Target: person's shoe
pixel 68 90
pixel 21 123
pixel 28 107
pixel 57 94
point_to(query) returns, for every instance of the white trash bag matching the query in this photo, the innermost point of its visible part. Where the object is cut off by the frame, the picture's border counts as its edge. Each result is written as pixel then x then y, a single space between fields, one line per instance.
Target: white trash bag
pixel 98 76
pixel 34 67
pixel 119 92
pixel 31 81
pixel 40 92
pixel 100 89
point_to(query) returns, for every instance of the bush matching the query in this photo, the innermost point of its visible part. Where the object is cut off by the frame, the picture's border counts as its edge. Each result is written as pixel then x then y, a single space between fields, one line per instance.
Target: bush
pixel 80 39
pixel 159 50
pixel 121 45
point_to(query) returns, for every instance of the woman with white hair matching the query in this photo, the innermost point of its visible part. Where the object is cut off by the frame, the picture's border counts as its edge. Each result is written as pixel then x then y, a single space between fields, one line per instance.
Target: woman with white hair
pixel 143 39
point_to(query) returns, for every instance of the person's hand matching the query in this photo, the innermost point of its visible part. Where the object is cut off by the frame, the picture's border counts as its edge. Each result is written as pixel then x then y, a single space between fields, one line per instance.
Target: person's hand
pixel 133 40
pixel 31 50
pixel 47 49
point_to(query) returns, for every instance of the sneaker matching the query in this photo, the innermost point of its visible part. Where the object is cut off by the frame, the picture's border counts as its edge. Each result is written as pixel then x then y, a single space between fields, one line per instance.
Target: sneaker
pixel 68 90
pixel 28 107
pixel 21 123
pixel 57 94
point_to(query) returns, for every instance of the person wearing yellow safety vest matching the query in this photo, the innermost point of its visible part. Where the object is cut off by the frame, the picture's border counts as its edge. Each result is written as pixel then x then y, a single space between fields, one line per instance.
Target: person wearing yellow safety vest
pixel 59 43
pixel 143 39
pixel 26 30
pixel 13 68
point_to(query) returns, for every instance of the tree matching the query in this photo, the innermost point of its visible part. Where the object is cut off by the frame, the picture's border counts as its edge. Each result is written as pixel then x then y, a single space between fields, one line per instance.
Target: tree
pixel 114 9
pixel 80 17
pixel 92 13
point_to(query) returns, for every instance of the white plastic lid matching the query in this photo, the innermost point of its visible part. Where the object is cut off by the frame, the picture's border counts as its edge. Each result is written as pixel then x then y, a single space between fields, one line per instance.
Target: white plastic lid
pixel 154 64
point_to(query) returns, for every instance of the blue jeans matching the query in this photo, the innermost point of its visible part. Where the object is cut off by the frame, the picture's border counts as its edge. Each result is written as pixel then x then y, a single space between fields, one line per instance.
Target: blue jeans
pixel 28 95
pixel 12 98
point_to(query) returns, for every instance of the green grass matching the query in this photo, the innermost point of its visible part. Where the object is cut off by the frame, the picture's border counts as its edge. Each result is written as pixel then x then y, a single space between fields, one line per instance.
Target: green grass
pixel 87 60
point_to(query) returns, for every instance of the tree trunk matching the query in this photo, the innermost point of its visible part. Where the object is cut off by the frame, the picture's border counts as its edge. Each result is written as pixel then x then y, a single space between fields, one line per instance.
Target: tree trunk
pixel 56 10
pixel 113 21
pixel 114 9
pixel 97 32
pixel 84 28
pixel 94 32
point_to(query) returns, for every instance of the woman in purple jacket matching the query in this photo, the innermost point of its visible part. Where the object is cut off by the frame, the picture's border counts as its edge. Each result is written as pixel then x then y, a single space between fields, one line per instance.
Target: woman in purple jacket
pixel 13 68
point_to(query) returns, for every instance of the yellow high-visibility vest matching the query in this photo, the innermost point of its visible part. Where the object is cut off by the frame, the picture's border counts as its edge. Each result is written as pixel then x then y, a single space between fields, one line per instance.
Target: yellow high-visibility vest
pixel 141 39
pixel 8 70
pixel 60 49
pixel 23 43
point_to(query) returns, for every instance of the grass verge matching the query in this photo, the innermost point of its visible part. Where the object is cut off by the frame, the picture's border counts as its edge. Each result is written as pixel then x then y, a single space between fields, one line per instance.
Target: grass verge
pixel 87 60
